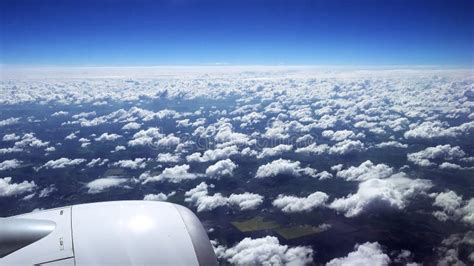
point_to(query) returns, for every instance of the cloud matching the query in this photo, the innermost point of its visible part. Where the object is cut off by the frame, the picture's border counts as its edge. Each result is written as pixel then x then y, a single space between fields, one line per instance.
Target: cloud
pixel 200 198
pixel 246 201
pixel 364 254
pixel 71 136
pixel 467 212
pixel 10 164
pixel 131 126
pixel 174 174
pixel 213 155
pixel 453 166
pixel 391 144
pixel 437 129
pixel 108 137
pixel 366 170
pixel 9 121
pixel 276 131
pixel 305 139
pixel 168 158
pixel 97 162
pixel 168 141
pixel 183 123
pixel 399 124
pixel 281 130
pixel 50 149
pixel 101 184
pixel 136 113
pixel 313 148
pixel 265 251
pixel 119 148
pixel 392 192
pixel 347 146
pixel 283 167
pixel 62 163
pixel 248 152
pixel 10 150
pixel 159 196
pixel 226 134
pixel 137 163
pixel 84 142
pixel 275 151
pixel 146 137
pixel 291 204
pixel 323 175
pixel 29 140
pixel 11 137
pixel 60 113
pixel 440 152
pixel 251 118
pixel 453 207
pixel 221 169
pixel 454 249
pixel 178 172
pixel 9 189
pixel 337 167
pixel 84 122
pixel 84 115
pixel 449 202
pixel 338 135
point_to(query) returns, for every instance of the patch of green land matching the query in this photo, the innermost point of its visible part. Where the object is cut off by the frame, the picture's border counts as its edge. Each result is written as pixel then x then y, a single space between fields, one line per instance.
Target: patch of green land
pixel 255 224
pixel 299 231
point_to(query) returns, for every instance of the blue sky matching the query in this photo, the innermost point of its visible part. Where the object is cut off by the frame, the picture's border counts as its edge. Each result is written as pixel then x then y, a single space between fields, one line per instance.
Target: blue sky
pixel 238 32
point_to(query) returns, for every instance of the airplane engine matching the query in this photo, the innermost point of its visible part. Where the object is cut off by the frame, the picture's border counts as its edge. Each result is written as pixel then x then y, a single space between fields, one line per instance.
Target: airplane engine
pixel 106 233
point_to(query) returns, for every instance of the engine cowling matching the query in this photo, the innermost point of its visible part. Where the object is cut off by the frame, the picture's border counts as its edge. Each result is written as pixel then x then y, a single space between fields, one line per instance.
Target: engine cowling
pixel 106 233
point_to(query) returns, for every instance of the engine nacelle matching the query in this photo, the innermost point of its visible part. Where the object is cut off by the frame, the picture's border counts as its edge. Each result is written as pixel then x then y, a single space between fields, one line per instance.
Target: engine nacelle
pixel 106 233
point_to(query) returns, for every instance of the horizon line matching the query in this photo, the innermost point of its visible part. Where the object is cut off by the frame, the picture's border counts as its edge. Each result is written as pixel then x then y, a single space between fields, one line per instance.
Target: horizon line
pixel 226 65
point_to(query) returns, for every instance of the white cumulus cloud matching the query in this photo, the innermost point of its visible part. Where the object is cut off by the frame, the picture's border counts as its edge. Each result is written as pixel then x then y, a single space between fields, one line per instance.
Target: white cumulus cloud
pixel 102 184
pixel 265 251
pixel 366 170
pixel 8 189
pixel 10 137
pixel 283 167
pixel 392 192
pixel 213 155
pixel 108 137
pixel 168 158
pixel 364 254
pixel 131 126
pixel 200 198
pixel 9 164
pixel 173 174
pixel 441 152
pixel 291 204
pixel 221 168
pixel 63 163
pixel 146 137
pixel 137 163
pixel 246 201
pixel 159 196
pixel 275 151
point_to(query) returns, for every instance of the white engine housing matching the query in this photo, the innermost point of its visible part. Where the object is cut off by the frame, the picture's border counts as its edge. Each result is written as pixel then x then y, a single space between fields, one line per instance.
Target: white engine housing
pixel 116 233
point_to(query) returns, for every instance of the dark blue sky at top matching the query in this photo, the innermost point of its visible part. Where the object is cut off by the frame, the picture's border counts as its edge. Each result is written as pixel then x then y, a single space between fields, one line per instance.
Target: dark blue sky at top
pixel 189 32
